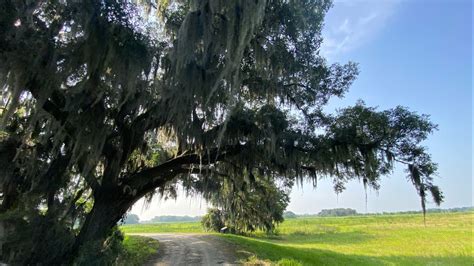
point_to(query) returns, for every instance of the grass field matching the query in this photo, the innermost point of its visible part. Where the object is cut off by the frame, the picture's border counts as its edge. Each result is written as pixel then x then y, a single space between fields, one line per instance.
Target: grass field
pixel 447 239
pixel 179 227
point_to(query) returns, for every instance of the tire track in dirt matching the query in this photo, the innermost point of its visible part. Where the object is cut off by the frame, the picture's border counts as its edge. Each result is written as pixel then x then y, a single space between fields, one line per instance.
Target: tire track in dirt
pixel 192 249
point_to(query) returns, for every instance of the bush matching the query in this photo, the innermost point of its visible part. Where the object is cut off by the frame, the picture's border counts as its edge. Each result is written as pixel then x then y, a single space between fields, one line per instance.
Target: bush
pixel 29 238
pixel 106 253
pixel 213 220
pixel 118 250
pixel 258 206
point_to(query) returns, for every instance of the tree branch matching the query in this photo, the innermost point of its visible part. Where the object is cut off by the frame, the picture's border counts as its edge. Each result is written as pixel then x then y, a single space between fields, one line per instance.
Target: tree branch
pixel 151 178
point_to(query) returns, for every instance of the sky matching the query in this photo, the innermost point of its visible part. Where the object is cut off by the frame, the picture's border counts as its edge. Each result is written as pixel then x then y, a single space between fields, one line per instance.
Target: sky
pixel 414 53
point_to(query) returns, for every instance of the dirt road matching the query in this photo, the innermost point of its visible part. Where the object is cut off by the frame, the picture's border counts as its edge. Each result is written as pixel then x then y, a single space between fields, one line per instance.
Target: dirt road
pixel 192 249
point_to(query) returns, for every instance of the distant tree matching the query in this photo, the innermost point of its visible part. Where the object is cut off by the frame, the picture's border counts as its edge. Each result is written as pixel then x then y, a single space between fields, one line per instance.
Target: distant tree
pixel 213 220
pixel 106 102
pixel 171 218
pixel 247 206
pixel 289 215
pixel 338 212
pixel 131 218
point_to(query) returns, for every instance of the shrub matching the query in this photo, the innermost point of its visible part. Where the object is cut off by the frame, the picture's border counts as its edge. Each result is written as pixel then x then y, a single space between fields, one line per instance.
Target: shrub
pixel 213 220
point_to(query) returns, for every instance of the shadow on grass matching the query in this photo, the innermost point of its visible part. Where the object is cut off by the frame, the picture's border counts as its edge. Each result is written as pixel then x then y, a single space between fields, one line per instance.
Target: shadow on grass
pixel 328 237
pixel 339 238
pixel 314 256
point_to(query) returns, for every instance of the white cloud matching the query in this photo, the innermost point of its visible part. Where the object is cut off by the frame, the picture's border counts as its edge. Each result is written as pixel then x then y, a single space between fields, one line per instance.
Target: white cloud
pixel 350 24
pixel 345 28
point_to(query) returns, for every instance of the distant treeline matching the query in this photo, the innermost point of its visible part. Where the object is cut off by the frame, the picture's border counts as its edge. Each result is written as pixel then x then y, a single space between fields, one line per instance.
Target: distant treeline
pixel 330 213
pixel 172 218
pixel 337 212
pixel 434 210
pixel 133 219
pixel 352 212
pixel 323 213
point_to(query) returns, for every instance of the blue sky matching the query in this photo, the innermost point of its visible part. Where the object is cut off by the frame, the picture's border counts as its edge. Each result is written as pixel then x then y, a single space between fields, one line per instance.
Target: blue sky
pixel 415 53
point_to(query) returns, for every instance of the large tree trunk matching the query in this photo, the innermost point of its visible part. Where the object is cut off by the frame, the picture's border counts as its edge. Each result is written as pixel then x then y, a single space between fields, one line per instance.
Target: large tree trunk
pixel 109 207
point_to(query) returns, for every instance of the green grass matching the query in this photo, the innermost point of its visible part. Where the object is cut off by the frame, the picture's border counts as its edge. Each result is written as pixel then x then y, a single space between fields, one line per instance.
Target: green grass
pixel 137 250
pixel 181 227
pixel 447 239
pixel 368 240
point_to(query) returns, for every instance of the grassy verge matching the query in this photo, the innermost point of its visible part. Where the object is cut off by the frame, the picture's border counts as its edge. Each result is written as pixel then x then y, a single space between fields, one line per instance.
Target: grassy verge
pixel 367 240
pixel 137 250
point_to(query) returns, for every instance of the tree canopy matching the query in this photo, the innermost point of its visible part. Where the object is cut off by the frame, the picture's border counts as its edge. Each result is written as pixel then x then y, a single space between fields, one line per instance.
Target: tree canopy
pixel 106 102
pixel 245 206
pixel 289 215
pixel 131 218
pixel 337 212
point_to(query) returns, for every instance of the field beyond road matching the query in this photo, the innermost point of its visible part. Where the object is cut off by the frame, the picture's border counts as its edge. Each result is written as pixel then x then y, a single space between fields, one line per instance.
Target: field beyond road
pixel 447 239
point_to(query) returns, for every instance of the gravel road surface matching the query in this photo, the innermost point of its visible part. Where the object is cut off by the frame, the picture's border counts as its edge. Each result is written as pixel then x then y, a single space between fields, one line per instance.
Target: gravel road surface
pixel 192 249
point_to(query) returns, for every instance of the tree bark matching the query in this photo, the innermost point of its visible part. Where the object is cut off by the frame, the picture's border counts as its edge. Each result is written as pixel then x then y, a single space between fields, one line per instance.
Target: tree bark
pixel 109 207
pixel 111 201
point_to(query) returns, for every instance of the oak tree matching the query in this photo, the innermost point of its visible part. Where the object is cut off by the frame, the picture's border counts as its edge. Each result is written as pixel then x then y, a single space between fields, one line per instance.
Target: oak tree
pixel 106 102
